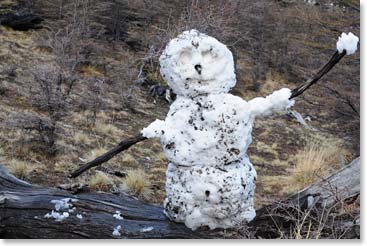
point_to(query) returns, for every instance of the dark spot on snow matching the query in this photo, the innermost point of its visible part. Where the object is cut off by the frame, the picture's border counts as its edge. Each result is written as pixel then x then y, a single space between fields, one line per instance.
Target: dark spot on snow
pixel 170 145
pixel 207 193
pixel 175 210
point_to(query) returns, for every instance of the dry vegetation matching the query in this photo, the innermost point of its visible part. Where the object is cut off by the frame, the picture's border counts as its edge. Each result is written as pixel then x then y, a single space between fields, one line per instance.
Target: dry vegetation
pixel 318 159
pixel 100 182
pixel 76 87
pixel 137 183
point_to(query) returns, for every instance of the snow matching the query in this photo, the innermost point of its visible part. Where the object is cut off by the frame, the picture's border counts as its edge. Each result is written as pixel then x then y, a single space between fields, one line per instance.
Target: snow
pixel 60 205
pixel 300 119
pixel 216 197
pixel 116 231
pixel 79 216
pixel 118 216
pixel 310 201
pixel 154 129
pixel 206 134
pixel 65 203
pixel 57 216
pixel 147 229
pixel 347 42
pixel 278 101
pixel 209 129
pixel 191 49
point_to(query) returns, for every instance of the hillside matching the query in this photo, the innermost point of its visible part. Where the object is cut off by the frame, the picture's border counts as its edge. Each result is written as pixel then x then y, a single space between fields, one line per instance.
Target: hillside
pixel 80 82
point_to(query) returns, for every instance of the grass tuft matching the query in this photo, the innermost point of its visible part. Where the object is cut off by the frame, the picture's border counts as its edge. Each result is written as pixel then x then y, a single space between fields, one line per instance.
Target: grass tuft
pixel 100 181
pixel 318 159
pixel 19 169
pixel 82 138
pixel 137 183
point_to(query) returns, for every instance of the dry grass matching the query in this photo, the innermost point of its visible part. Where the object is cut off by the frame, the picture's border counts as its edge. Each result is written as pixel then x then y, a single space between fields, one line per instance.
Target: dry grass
pixel 318 159
pixel 108 129
pixel 95 153
pixel 137 183
pixel 80 118
pixel 19 169
pixel 91 71
pixel 82 138
pixel 100 181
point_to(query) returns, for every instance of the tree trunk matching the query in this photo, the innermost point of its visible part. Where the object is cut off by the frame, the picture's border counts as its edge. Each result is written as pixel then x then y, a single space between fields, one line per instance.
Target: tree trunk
pixel 23 208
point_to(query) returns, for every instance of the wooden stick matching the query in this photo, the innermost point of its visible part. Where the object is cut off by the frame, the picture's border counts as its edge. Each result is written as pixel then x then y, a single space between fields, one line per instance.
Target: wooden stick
pixel 328 66
pixel 123 145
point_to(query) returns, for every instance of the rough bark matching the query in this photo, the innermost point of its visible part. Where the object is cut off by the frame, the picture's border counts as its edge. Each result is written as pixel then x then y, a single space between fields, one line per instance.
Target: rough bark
pixel 23 206
pixel 21 22
pixel 314 201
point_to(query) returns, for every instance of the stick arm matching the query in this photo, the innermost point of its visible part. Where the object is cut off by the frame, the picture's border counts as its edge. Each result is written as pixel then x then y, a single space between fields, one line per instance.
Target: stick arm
pixel 123 145
pixel 155 129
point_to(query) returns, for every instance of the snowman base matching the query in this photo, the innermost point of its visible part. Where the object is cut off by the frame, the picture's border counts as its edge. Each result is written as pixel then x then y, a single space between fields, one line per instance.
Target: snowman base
pixel 213 196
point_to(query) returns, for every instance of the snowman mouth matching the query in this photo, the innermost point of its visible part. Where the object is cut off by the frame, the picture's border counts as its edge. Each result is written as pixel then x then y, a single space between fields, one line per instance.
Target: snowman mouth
pixel 203 82
pixel 199 81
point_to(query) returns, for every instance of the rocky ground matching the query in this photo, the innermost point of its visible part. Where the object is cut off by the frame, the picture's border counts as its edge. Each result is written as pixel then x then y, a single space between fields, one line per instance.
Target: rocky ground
pixel 295 41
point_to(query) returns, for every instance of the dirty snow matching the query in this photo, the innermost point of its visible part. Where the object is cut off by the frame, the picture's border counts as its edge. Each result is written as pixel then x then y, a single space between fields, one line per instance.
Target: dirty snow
pixel 154 130
pixel 118 216
pixel 116 231
pixel 65 203
pixel 61 206
pixel 347 42
pixel 147 229
pixel 212 130
pixel 194 64
pixel 57 216
pixel 206 133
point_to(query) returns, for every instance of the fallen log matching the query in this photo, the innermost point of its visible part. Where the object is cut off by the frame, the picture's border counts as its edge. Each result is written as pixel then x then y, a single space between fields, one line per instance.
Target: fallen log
pixel 315 203
pixel 25 212
pixel 23 208
pixel 21 22
pixel 19 16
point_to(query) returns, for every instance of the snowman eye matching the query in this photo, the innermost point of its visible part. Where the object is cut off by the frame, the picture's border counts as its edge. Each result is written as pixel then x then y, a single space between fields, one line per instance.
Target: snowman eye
pixel 185 57
pixel 209 55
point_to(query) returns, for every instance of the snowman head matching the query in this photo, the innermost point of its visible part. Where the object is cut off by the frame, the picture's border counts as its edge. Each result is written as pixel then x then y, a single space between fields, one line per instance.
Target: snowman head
pixel 196 64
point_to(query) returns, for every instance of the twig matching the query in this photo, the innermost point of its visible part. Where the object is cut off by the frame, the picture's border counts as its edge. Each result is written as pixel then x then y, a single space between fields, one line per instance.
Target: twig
pixel 123 145
pixel 328 66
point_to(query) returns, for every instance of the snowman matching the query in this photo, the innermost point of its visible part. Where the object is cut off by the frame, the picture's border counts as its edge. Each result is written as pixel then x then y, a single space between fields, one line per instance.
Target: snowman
pixel 210 180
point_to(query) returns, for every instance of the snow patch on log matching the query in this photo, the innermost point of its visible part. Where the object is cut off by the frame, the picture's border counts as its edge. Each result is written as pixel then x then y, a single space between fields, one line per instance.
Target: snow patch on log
pixel 64 204
pixel 57 216
pixel 118 216
pixel 116 231
pixel 147 229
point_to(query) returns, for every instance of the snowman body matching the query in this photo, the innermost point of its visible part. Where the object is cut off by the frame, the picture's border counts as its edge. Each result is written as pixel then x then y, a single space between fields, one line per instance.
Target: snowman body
pixel 209 180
